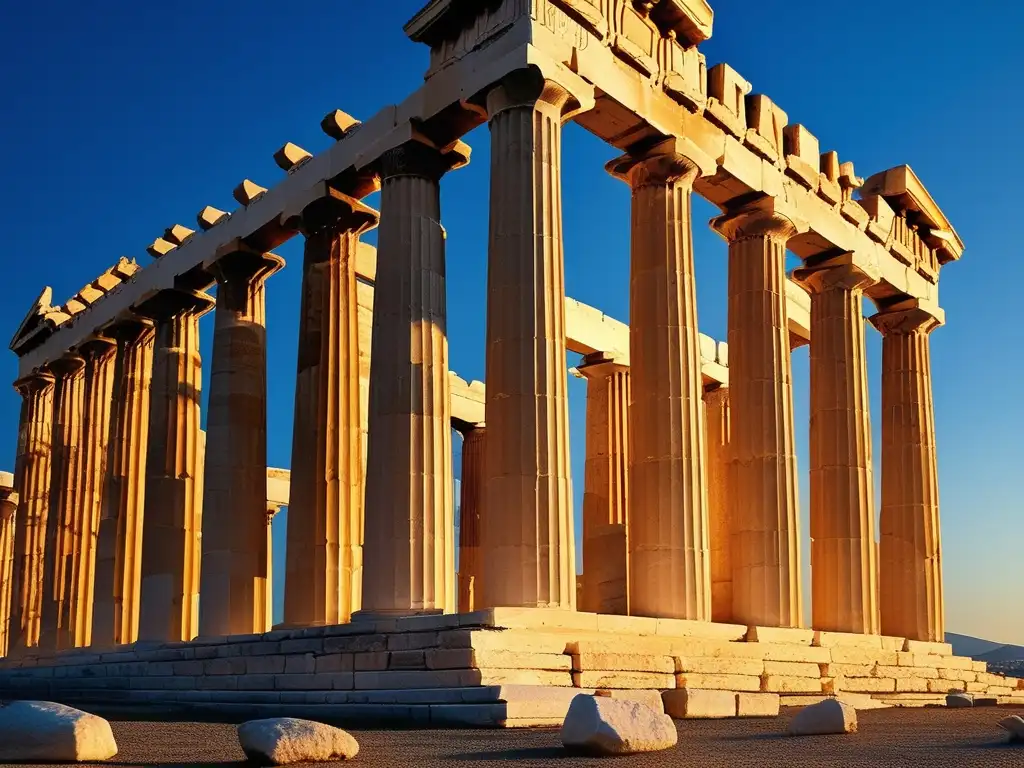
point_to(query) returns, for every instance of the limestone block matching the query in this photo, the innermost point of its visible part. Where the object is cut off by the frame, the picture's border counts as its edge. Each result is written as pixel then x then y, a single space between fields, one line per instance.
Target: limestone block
pixel 632 625
pixel 284 740
pixel 787 684
pixel 907 672
pixel 922 646
pixel 827 717
pixel 623 679
pixel 1014 725
pixel 34 731
pixel 792 669
pixel 494 676
pixel 370 661
pixel 868 684
pixel 961 675
pixel 892 643
pixel 911 684
pixel 980 666
pixel 866 656
pixel 638 646
pixel 757 704
pixel 623 662
pixel 538 618
pixel 407 660
pixel 780 635
pixel 470 658
pixel 602 725
pixel 713 649
pixel 767 122
pixel 999 690
pixel 702 629
pixel 721 666
pixel 848 670
pixel 950 662
pixel 848 640
pixel 650 697
pixel 413 641
pixel 727 92
pixel 513 640
pixel 942 686
pixel 796 653
pixel 693 703
pixel 723 682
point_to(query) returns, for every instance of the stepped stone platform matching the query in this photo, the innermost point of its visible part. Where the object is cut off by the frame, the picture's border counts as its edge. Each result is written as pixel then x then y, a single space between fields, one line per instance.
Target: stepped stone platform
pixel 507 667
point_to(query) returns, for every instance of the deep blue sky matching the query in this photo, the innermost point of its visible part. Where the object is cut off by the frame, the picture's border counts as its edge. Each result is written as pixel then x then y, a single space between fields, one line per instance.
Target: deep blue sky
pixel 119 119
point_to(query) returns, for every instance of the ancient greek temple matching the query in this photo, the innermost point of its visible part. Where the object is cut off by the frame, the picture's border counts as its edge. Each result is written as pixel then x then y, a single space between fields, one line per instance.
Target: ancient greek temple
pixel 135 545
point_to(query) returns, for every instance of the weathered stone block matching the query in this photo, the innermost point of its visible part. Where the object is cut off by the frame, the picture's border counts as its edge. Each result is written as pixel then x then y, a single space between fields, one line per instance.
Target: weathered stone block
pixel 413 641
pixel 847 640
pixel 256 682
pixel 801 653
pixel 337 662
pixel 722 682
pixel 303 645
pixel 788 684
pixel 368 661
pixel 911 684
pixel 650 697
pixel 922 646
pixel 701 629
pixel 847 670
pixel 693 703
pixel 721 666
pixel 407 660
pixel 792 669
pixel 843 655
pixel 235 666
pixel 298 665
pixel 757 704
pixel 623 679
pixel 355 643
pixel 868 684
pixel 625 662
pixel 906 672
pixel 780 635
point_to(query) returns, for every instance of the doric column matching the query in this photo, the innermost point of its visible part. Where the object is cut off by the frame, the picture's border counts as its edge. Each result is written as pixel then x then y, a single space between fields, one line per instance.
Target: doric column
pixel 32 481
pixel 409 563
pixel 57 631
pixel 119 543
pixel 606 489
pixel 169 584
pixel 766 537
pixel 910 549
pixel 669 568
pixel 843 568
pixel 233 595
pixel 527 533
pixel 470 509
pixel 718 431
pixel 99 354
pixel 8 522
pixel 323 564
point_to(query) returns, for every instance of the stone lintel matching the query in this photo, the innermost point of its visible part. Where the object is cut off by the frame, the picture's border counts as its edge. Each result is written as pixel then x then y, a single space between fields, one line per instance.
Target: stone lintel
pixel 166 303
pixel 278 488
pixel 422 155
pixel 232 254
pixel 467 402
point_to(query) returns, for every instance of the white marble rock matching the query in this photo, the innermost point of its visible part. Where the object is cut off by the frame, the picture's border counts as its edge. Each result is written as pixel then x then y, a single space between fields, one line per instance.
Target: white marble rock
pixel 601 725
pixel 45 731
pixel 830 716
pixel 284 740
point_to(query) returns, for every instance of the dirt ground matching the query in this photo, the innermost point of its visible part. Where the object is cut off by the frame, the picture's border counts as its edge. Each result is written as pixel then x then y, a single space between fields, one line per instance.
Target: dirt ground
pixel 938 737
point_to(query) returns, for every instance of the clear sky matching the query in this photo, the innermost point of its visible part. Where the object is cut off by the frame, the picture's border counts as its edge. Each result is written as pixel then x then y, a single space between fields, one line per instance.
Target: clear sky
pixel 120 119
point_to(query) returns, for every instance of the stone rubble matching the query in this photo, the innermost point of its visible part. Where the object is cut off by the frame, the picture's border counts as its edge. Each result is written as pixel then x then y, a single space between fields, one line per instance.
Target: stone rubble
pixel 827 717
pixel 285 740
pixel 600 725
pixel 43 731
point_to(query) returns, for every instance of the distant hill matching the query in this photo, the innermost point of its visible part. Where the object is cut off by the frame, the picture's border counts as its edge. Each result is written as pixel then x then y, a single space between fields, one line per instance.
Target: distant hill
pixel 965 645
pixel 1002 653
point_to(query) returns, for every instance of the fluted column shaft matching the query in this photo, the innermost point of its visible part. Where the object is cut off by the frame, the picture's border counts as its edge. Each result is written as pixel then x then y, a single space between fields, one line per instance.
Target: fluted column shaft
pixel 8 522
pixel 470 511
pixel 32 476
pixel 766 538
pixel 323 563
pixel 843 567
pixel 57 630
pixel 410 556
pixel 233 596
pixel 119 542
pixel 99 354
pixel 527 532
pixel 718 431
pixel 606 490
pixel 910 547
pixel 169 584
pixel 669 566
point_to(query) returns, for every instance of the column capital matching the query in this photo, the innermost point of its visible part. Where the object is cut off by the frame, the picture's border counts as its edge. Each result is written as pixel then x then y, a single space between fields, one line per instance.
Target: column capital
pixel 237 261
pixel 97 347
pixel 129 329
pixel 848 272
pixel 323 208
pixel 666 162
pixel 717 396
pixel 67 364
pixel 421 157
pixel 530 87
pixel 911 316
pixel 165 304
pixel 34 382
pixel 763 217
pixel 600 365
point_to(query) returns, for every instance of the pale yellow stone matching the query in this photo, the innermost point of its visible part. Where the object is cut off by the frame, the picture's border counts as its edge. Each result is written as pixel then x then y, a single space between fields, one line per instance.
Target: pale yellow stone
pixel 721 666
pixel 290 156
pixel 701 629
pixel 757 704
pixel 720 682
pixel 780 635
pixel 469 658
pixel 847 670
pixel 851 640
pixel 864 656
pixel 868 684
pixel 792 669
pixel 907 672
pixel 911 684
pixel 789 684
pixel 630 625
pixel 650 697
pixel 524 677
pixel 801 653
pixel 920 646
pixel 693 703
pixel 591 662
pixel 612 679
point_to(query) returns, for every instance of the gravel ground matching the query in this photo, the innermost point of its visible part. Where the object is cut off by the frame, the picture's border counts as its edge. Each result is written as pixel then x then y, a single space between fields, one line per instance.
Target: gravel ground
pixel 935 738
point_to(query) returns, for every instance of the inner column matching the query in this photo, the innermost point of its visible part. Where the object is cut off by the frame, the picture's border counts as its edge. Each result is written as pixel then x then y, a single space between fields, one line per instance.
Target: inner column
pixel 470 508
pixel 669 566
pixel 409 565
pixel 527 528
pixel 169 585
pixel 8 515
pixel 718 430
pixel 233 597
pixel 606 486
pixel 323 561
pixel 843 568
pixel 766 537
